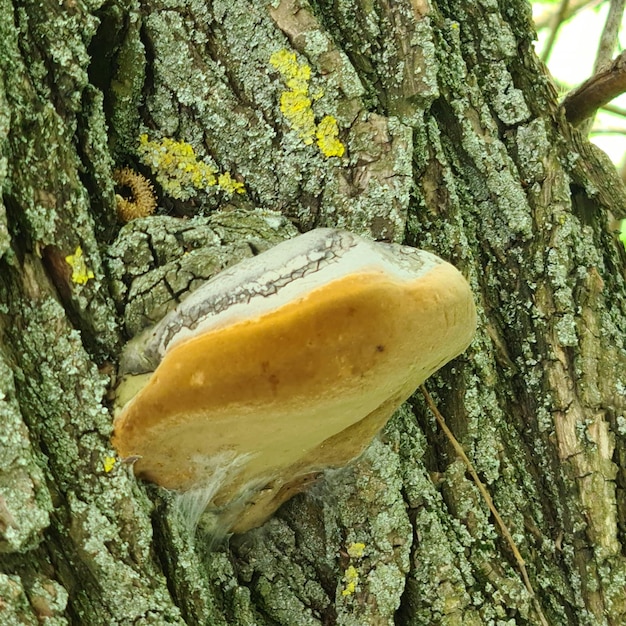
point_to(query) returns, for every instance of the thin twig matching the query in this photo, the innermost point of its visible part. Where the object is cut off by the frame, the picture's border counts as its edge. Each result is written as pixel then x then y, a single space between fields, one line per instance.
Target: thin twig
pixel 610 32
pixel 608 131
pixel 487 498
pixel 555 25
pixel 546 17
pixel 614 110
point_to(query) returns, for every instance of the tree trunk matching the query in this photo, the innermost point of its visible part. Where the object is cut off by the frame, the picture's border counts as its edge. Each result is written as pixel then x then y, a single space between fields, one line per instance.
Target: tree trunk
pixel 431 123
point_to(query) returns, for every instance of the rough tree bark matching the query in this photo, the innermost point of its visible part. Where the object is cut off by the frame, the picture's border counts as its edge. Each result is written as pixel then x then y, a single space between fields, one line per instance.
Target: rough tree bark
pixel 454 143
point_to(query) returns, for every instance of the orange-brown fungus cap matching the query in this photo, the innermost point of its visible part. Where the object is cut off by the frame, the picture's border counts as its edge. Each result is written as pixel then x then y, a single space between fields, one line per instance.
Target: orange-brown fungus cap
pixel 287 364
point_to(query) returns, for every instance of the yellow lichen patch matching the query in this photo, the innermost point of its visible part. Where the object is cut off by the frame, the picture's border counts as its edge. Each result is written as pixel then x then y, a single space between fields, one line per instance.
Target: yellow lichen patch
pixel 296 75
pixel 327 135
pixel 137 197
pixel 108 464
pixel 296 105
pixel 356 550
pixel 178 170
pixel 229 185
pixel 80 272
pixel 351 580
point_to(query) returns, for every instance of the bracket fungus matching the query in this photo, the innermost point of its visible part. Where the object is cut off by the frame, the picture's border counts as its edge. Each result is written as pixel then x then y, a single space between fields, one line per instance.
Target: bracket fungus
pixel 285 365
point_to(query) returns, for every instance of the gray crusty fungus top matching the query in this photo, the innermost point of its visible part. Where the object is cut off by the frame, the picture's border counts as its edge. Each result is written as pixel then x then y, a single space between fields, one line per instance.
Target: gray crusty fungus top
pixel 263 283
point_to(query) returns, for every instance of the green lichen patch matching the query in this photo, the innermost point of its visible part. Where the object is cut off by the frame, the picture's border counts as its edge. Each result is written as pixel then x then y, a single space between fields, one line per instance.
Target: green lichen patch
pixel 350 531
pixel 156 261
pixel 105 532
pixel 25 503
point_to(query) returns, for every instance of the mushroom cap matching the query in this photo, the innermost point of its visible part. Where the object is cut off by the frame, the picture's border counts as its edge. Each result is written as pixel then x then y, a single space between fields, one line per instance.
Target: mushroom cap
pixel 291 379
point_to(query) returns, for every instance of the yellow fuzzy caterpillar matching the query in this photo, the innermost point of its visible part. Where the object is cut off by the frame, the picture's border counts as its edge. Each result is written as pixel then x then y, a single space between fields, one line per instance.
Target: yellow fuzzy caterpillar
pixel 139 201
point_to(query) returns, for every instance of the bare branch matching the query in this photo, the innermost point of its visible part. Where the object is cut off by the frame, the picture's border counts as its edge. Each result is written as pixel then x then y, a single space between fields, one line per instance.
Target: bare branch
pixel 606 46
pixel 585 100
